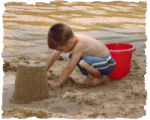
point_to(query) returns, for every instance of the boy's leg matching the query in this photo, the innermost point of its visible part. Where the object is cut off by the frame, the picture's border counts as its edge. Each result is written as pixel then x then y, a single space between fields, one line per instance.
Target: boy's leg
pixel 90 69
pixel 94 76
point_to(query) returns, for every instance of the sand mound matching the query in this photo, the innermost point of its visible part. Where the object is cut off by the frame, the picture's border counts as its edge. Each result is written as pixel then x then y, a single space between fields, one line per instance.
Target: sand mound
pixel 31 82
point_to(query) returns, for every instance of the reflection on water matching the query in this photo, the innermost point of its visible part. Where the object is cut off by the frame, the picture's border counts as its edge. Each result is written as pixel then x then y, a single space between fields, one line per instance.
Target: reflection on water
pixel 26 26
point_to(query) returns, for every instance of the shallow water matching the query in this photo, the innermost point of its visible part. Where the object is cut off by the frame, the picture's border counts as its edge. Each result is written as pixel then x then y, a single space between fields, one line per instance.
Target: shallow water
pixel 26 26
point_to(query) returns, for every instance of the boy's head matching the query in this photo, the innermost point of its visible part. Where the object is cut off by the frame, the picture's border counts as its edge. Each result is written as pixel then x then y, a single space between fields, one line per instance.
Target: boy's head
pixel 58 35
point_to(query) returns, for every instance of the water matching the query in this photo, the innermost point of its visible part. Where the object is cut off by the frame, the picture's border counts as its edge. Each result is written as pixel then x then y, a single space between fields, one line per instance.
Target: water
pixel 26 26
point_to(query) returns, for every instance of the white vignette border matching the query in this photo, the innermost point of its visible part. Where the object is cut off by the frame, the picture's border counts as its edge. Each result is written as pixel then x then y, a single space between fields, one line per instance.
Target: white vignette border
pixel 147 49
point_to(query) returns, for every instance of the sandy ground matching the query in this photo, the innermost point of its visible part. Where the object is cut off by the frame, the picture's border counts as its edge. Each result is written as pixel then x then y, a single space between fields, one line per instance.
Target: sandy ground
pixel 124 98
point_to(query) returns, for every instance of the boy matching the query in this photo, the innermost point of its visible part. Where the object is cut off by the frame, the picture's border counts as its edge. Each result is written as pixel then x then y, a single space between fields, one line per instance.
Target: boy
pixel 91 56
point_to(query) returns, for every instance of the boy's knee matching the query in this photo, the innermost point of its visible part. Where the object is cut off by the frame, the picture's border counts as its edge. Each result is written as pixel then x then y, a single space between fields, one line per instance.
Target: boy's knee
pixel 83 64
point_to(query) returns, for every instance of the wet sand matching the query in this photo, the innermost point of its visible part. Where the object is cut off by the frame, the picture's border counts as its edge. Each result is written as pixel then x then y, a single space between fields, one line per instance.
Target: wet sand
pixel 124 98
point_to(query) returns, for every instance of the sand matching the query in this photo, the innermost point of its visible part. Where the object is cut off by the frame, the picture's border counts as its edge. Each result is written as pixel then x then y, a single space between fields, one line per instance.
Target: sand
pixel 124 98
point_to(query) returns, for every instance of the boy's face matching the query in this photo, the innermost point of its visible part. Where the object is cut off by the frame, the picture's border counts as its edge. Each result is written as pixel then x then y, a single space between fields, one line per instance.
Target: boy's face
pixel 67 47
pixel 63 48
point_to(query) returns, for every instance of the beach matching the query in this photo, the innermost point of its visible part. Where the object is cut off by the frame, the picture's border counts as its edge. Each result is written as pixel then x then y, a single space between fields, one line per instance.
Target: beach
pixel 115 98
pixel 123 98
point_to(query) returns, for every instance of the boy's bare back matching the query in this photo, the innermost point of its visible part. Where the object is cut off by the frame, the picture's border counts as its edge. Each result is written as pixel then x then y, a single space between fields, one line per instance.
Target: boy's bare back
pixel 89 46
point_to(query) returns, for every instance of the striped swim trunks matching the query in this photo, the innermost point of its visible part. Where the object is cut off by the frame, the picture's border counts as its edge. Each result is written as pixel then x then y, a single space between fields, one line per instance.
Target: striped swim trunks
pixel 104 64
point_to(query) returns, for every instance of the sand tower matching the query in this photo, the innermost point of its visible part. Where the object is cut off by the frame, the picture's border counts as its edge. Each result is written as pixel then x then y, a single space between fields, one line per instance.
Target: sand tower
pixel 31 82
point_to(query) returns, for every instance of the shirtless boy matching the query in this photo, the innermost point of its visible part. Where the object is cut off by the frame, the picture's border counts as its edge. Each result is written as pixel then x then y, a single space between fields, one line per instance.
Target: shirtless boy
pixel 90 55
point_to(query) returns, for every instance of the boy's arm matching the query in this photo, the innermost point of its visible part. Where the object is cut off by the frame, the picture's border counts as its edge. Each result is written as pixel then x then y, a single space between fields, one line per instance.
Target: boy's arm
pixel 68 70
pixel 55 54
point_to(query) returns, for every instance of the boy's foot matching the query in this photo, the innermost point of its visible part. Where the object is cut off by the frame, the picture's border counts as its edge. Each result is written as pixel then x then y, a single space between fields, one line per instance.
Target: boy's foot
pixel 97 81
pixel 93 81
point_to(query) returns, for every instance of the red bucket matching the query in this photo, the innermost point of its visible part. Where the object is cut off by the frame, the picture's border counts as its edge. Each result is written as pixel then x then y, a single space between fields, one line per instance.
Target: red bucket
pixel 122 54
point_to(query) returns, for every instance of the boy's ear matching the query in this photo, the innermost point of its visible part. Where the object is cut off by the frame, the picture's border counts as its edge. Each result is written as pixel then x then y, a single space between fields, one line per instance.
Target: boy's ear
pixel 70 40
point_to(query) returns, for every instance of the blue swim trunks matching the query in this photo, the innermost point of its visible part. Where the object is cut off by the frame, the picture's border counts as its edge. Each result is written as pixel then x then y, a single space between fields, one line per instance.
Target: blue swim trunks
pixel 104 64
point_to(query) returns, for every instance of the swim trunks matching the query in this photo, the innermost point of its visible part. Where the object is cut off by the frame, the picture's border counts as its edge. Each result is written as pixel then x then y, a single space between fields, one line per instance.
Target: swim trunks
pixel 104 64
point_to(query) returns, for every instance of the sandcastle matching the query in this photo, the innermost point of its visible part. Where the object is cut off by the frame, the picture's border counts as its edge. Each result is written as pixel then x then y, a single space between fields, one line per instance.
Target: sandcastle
pixel 31 82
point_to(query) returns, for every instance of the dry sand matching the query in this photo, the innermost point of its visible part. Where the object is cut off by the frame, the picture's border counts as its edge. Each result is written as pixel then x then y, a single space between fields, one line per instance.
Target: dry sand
pixel 124 98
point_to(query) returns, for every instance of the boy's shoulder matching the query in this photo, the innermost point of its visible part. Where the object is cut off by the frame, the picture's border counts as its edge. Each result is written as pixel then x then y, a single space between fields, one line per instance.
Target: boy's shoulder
pixel 83 37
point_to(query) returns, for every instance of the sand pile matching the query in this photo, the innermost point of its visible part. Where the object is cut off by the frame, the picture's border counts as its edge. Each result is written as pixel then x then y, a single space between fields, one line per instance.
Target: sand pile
pixel 31 82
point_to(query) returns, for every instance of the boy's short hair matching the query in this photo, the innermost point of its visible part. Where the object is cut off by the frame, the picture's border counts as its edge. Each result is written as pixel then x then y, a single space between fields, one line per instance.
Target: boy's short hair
pixel 58 35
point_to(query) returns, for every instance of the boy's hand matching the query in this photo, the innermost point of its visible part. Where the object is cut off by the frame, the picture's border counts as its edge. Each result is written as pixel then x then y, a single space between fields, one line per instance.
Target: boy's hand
pixel 53 83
